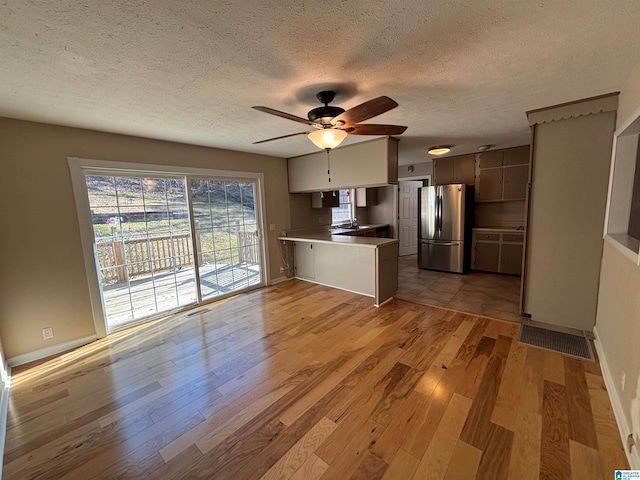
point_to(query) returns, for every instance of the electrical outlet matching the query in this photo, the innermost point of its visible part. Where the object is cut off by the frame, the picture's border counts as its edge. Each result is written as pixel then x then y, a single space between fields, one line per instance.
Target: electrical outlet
pixel 47 333
pixel 630 442
pixel 623 380
pixel 281 269
pixel 272 226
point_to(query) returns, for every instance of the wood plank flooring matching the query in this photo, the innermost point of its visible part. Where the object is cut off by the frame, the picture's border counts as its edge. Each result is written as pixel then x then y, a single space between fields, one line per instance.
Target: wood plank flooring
pixel 300 381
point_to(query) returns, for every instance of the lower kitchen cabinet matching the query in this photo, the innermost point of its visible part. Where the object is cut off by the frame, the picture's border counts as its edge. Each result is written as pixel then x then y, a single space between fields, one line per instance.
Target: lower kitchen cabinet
pixel 362 266
pixel 487 256
pixel 497 252
pixel 511 259
pixel 305 260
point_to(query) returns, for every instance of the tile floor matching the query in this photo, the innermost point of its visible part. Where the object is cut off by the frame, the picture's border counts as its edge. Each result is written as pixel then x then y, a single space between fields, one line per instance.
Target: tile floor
pixel 489 294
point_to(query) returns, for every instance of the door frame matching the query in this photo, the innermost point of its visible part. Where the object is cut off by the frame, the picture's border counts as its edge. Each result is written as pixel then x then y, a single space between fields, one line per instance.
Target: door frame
pixel 396 201
pixel 78 168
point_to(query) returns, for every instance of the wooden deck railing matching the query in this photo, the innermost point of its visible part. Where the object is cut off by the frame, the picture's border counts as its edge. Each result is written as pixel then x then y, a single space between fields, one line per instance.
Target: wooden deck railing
pixel 157 254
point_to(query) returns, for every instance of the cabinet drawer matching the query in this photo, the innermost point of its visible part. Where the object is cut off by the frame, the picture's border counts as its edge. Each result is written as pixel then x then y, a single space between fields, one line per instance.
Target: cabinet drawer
pixel 493 237
pixel 512 237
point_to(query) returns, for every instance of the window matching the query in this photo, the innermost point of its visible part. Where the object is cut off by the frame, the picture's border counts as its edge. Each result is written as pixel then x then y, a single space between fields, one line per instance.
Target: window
pixel 343 213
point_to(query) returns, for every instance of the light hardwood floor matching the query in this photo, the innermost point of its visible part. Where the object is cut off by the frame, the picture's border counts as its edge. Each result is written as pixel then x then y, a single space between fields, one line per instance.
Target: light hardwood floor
pixel 302 381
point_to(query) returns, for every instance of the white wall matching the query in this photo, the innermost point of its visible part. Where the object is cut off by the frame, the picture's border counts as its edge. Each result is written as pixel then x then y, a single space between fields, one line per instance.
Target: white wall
pixel 618 315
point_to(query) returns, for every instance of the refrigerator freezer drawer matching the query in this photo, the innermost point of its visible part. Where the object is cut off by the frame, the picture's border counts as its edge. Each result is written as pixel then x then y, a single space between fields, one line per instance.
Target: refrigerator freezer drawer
pixel 439 255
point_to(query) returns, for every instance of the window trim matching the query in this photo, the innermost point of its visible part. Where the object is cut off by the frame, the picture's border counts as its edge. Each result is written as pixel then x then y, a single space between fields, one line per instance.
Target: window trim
pixel 620 191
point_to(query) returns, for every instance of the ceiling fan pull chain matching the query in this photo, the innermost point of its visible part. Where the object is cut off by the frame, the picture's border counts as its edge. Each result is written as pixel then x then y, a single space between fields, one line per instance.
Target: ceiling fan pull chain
pixel 328 164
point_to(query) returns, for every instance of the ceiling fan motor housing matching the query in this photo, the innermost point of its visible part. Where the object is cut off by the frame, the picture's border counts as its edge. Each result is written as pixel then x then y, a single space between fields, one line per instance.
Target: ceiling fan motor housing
pixel 324 114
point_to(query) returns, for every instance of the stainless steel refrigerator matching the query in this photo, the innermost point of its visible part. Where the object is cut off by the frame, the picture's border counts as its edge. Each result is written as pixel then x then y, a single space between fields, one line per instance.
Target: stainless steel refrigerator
pixel 444 227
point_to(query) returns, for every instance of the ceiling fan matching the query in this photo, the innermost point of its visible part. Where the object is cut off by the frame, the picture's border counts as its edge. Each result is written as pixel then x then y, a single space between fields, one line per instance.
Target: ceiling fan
pixel 333 124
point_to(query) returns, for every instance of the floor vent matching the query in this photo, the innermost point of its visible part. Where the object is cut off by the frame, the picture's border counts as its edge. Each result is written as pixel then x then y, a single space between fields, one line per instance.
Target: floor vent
pixel 574 345
pixel 198 312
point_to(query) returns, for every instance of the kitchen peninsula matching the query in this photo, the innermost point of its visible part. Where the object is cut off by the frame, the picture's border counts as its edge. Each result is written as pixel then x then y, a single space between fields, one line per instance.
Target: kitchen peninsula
pixel 337 258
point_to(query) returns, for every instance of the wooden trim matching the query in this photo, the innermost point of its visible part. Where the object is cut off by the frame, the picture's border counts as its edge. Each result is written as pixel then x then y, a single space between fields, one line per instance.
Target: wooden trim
pixel 527 202
pixel 573 102
pixel 4 410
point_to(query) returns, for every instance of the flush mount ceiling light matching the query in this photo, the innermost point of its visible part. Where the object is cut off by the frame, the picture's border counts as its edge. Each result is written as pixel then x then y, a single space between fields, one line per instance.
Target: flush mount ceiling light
pixel 327 137
pixel 484 148
pixel 439 149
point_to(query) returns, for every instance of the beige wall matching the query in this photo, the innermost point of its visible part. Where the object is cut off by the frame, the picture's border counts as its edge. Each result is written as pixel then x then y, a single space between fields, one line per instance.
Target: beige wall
pixel 303 216
pixel 42 278
pixel 567 207
pixel 618 317
pixel 419 169
pixel 383 212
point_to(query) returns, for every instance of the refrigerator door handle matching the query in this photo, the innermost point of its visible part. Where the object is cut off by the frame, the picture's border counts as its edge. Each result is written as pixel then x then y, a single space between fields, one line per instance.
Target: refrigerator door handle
pixel 443 244
pixel 439 213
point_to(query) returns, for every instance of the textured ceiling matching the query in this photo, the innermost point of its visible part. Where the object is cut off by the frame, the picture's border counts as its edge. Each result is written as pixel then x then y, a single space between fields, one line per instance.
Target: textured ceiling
pixel 463 72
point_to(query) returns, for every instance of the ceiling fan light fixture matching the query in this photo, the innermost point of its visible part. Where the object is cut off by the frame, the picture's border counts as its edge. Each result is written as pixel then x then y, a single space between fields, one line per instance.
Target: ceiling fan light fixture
pixel 439 150
pixel 327 137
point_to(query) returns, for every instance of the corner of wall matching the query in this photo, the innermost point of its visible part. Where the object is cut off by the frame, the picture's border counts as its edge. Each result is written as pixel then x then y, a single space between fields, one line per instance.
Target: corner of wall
pixel 624 427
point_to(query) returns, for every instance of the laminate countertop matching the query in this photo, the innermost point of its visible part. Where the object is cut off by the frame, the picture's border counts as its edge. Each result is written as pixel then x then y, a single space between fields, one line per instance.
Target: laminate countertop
pixel 338 236
pixel 499 229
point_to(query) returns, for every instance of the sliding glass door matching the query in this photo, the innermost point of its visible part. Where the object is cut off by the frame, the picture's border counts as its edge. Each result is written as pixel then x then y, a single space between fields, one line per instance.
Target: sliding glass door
pixel 151 231
pixel 143 245
pixel 226 234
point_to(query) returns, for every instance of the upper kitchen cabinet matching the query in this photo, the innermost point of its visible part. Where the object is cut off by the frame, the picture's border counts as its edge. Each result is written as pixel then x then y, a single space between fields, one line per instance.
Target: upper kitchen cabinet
pixel 491 159
pixel 367 164
pixel 454 170
pixel 503 175
pixel 516 156
pixel 309 173
pixel 325 199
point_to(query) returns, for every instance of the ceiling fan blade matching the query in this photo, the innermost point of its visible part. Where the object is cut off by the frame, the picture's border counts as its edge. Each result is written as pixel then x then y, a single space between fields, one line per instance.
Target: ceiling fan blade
pixel 373 129
pixel 366 110
pixel 283 136
pixel 288 116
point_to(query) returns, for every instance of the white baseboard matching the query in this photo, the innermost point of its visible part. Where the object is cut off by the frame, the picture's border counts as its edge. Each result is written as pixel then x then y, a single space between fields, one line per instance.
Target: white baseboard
pixel 4 410
pixel 50 351
pixel 623 425
pixel 277 280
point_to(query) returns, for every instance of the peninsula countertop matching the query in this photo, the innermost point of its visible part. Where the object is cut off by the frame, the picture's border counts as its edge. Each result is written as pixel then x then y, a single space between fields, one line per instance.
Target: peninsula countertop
pixel 337 236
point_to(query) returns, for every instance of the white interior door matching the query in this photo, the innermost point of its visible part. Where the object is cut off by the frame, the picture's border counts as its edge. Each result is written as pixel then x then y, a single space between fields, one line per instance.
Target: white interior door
pixel 408 216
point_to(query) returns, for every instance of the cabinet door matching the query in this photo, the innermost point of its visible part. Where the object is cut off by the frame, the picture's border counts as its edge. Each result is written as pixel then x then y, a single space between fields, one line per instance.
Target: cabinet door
pixel 486 256
pixel 515 182
pixel 365 164
pixel 443 171
pixel 489 186
pixel 491 159
pixel 308 173
pixel 516 156
pixel 464 169
pixel 305 260
pixel 511 259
